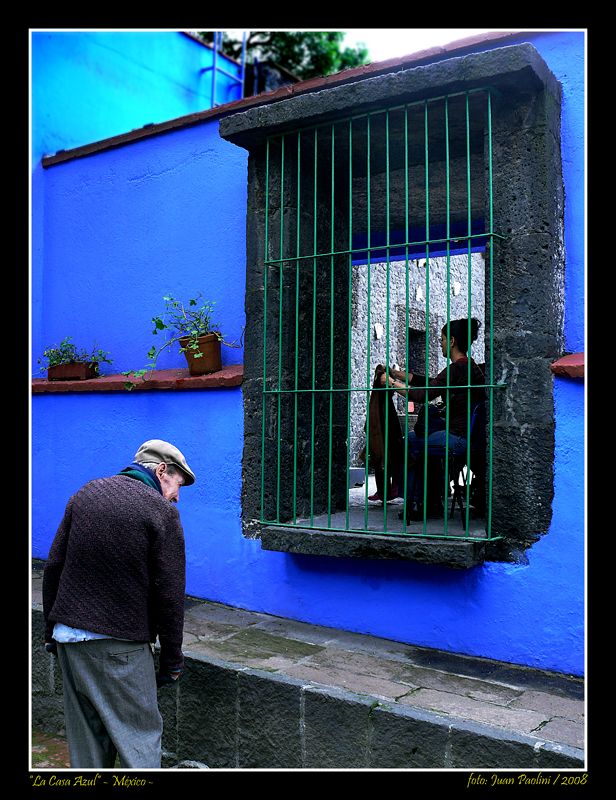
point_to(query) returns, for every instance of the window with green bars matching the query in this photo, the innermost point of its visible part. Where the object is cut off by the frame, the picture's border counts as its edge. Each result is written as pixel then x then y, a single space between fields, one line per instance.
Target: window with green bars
pixel 378 235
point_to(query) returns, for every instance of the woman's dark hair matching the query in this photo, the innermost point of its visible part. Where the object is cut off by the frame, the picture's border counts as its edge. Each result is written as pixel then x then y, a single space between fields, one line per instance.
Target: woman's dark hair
pixel 458 328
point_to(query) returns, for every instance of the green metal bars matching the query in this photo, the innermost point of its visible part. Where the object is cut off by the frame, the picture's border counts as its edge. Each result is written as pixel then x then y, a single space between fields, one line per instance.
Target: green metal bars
pixel 359 213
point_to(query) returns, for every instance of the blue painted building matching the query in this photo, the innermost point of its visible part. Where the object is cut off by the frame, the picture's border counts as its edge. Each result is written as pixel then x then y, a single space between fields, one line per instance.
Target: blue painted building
pixel 164 211
pixel 89 85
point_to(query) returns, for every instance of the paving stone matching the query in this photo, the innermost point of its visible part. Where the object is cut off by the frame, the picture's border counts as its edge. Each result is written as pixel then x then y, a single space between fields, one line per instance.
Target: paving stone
pixel 355 663
pixel 239 657
pixel 293 629
pixel 466 708
pixel 360 684
pixel 257 649
pixel 551 705
pixel 458 684
pixel 348 641
pixel 208 629
pixel 564 731
pixel 498 672
pixel 215 612
pixel 276 645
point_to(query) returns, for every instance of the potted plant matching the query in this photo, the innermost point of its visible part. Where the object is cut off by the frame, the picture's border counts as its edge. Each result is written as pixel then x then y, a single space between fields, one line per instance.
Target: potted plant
pixel 191 326
pixel 65 362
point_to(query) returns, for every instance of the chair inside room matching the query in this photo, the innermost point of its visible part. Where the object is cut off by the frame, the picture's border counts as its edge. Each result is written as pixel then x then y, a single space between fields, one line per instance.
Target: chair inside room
pixel 467 470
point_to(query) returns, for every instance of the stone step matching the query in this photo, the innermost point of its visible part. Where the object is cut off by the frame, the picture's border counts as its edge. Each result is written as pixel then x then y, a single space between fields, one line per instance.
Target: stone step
pixel 260 691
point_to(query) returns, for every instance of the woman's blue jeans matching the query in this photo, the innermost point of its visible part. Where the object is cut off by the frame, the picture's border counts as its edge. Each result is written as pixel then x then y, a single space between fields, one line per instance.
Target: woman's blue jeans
pixel 437 443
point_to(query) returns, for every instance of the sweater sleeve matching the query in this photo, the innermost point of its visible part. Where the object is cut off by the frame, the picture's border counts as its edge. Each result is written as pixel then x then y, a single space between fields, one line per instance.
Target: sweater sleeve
pixel 436 384
pixel 53 569
pixel 168 566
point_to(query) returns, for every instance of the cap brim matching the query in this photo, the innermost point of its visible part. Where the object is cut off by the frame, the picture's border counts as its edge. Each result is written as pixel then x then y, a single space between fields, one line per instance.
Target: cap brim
pixel 188 478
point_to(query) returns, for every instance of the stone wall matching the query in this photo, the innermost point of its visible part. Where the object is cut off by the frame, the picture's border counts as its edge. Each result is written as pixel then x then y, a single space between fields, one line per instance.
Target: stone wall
pixel 523 204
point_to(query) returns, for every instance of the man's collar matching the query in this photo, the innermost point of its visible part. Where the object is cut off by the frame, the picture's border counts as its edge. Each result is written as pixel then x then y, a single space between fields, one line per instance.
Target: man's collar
pixel 143 474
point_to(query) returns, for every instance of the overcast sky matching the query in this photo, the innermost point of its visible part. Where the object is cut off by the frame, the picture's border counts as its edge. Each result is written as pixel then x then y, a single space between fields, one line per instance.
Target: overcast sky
pixel 384 43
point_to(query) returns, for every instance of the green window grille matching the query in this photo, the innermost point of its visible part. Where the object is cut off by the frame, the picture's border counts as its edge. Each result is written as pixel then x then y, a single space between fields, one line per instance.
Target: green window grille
pixel 355 211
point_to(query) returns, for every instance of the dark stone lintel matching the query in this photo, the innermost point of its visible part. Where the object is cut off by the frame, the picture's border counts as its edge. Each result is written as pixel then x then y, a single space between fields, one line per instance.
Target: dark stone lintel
pixel 515 69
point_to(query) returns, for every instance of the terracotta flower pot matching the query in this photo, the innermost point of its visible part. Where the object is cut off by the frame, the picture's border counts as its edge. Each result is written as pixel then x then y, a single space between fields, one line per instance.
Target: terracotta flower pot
pixel 210 361
pixel 74 371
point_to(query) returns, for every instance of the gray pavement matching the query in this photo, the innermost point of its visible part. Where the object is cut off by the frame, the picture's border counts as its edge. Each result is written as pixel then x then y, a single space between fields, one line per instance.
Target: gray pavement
pixel 548 706
pixel 509 700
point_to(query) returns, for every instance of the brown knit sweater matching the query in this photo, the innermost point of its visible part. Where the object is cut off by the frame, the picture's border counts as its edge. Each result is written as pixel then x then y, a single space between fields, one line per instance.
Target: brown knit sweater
pixel 117 566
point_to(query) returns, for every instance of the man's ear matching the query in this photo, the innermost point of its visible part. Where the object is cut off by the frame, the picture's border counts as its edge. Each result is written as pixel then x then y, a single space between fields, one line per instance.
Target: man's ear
pixel 160 470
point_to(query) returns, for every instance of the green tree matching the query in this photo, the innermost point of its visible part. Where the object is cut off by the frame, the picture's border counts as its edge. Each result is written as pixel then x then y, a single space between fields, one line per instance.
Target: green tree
pixel 306 54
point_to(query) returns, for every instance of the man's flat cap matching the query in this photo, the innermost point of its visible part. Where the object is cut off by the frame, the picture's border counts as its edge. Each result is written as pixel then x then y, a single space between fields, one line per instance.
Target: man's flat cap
pixel 158 451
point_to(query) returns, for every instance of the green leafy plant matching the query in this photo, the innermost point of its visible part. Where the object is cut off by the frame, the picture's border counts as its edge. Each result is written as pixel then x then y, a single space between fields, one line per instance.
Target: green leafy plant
pixel 180 320
pixel 68 353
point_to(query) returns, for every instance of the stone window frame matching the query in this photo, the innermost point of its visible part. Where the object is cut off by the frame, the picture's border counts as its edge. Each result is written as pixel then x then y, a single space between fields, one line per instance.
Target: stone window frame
pixel 528 291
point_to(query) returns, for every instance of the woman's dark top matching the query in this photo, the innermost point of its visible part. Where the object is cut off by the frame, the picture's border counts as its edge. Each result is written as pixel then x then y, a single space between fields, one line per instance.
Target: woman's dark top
pixel 458 398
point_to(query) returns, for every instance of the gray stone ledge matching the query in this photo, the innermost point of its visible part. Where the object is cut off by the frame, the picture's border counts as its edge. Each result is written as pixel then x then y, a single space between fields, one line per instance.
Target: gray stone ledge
pixel 456 554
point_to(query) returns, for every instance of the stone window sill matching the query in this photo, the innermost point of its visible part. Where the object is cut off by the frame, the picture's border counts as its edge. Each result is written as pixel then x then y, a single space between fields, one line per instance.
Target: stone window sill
pixel 457 554
pixel 165 379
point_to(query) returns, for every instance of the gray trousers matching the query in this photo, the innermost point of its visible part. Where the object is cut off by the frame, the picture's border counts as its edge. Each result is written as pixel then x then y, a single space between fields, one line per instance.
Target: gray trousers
pixel 110 703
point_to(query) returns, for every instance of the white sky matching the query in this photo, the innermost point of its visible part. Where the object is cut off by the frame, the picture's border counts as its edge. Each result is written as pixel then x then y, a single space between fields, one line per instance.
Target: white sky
pixel 384 43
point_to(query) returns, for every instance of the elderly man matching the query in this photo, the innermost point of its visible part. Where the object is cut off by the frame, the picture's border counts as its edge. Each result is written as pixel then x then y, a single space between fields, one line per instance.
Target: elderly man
pixel 114 582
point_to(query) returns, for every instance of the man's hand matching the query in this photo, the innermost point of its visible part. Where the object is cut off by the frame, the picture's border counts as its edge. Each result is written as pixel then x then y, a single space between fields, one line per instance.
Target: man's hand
pixel 51 647
pixel 167 678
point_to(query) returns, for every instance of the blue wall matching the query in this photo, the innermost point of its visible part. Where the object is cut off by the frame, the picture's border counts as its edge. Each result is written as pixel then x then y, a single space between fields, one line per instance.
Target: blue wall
pixel 89 85
pixel 124 228
pixel 168 214
pixel 79 437
pixel 565 54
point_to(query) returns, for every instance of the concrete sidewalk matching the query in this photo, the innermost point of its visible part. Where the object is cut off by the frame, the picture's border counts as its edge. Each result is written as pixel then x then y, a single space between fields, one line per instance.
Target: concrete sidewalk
pixel 268 692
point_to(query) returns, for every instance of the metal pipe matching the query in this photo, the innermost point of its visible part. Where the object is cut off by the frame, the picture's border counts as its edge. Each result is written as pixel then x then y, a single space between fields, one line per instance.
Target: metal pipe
pixel 214 68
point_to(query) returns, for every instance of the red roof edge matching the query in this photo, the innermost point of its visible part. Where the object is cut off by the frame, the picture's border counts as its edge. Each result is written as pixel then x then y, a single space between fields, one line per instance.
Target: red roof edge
pixel 282 93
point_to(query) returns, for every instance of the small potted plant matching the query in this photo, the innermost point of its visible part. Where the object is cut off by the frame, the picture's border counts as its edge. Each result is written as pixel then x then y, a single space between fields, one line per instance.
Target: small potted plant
pixel 65 362
pixel 191 326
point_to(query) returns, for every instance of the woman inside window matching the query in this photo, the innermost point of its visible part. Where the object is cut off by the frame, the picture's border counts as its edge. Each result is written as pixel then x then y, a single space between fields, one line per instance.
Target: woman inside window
pixel 461 332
